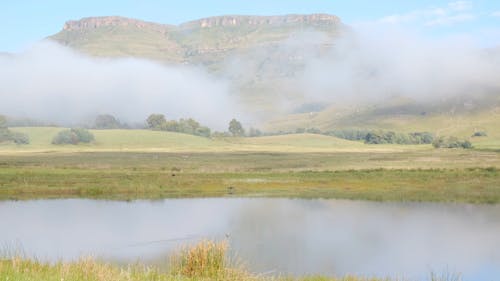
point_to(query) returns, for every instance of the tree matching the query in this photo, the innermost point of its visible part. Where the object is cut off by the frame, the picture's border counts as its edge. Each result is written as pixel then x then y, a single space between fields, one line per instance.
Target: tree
pixel 73 136
pixel 7 135
pixel 3 122
pixel 254 132
pixel 236 129
pixel 106 121
pixel 156 121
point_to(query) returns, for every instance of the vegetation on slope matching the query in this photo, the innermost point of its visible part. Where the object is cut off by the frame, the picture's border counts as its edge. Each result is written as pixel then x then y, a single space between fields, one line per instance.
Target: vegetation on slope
pixel 7 135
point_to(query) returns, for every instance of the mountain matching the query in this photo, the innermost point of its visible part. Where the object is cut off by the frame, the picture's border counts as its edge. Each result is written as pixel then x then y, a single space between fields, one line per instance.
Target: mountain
pixel 205 41
pixel 260 55
pixel 264 57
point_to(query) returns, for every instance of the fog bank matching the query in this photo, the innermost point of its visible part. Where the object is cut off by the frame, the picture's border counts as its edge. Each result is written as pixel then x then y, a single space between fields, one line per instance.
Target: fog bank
pixel 53 83
pixel 376 62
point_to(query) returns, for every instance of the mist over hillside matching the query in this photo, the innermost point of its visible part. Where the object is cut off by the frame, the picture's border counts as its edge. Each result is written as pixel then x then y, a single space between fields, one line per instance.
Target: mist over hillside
pixel 254 68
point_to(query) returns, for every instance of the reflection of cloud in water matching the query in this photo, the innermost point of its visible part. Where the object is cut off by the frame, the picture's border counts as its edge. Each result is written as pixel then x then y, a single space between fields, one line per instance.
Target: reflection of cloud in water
pixel 292 236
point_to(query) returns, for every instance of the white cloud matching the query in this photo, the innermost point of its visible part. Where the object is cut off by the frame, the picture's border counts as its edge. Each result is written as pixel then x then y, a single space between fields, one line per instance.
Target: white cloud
pixel 450 20
pixel 460 5
pixel 496 14
pixel 452 13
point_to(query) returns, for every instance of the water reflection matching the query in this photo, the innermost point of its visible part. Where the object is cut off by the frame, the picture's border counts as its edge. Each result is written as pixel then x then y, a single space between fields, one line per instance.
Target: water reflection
pixel 332 237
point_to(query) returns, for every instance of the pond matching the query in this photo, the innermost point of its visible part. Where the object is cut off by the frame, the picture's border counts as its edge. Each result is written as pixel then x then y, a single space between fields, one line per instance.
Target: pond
pixel 271 236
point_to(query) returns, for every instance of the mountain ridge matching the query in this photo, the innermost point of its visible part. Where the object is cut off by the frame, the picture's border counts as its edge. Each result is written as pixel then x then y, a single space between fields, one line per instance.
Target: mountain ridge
pixel 204 41
pixel 207 22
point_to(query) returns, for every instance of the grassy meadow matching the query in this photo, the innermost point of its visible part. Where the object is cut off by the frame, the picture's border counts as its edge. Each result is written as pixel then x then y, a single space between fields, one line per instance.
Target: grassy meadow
pixel 132 164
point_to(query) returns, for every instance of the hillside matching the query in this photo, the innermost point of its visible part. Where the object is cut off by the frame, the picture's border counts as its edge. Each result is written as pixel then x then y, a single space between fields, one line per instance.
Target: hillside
pixel 206 41
pixel 147 140
pixel 455 117
pixel 264 59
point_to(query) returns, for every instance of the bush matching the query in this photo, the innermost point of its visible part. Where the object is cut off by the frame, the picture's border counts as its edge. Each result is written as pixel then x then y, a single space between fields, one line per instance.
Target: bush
pixel 451 142
pixel 185 126
pixel 7 135
pixel 83 135
pixel 73 136
pixel 106 121
pixel 252 132
pixel 382 137
pixel 20 138
pixel 480 134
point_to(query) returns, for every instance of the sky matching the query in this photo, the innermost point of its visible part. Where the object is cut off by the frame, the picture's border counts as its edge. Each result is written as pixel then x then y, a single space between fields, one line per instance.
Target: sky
pixel 24 22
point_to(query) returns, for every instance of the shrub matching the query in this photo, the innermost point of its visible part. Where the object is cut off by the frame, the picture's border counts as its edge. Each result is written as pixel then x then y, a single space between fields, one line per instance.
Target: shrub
pixel 20 138
pixel 185 126
pixel 480 134
pixel 106 121
pixel 203 132
pixel 83 135
pixel 252 132
pixel 451 142
pixel 7 135
pixel 73 136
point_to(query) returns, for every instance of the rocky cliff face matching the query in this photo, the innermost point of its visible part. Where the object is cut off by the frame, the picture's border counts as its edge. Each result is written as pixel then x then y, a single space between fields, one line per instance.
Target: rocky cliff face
pixel 97 22
pixel 225 21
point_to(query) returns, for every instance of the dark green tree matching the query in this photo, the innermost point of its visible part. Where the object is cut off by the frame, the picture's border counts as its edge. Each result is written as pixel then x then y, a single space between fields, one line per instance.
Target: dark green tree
pixel 106 121
pixel 156 121
pixel 236 129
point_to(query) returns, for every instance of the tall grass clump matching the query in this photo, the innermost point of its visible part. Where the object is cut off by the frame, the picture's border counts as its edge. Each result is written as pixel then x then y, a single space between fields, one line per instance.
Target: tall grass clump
pixel 445 276
pixel 207 259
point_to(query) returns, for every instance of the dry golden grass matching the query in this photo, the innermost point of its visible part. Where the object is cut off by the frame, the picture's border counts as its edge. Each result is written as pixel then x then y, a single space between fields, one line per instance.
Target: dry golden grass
pixel 205 261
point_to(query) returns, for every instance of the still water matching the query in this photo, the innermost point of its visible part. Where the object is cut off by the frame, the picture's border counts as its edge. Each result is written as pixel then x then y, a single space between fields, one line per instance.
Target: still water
pixel 271 236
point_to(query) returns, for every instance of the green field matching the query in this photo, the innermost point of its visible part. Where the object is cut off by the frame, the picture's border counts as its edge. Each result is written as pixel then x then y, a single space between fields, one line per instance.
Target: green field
pixel 161 141
pixel 131 164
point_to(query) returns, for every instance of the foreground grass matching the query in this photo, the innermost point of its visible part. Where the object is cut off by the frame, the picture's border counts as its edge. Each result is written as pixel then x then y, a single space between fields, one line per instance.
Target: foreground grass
pixel 204 261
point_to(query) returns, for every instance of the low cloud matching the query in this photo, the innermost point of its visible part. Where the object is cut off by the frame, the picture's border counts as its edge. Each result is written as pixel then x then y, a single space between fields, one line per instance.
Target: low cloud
pixel 53 83
pixel 377 62
pixel 452 13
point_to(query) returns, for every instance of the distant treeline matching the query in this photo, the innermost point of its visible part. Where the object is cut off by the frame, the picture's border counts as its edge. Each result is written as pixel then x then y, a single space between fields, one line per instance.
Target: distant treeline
pixel 370 136
pixel 186 126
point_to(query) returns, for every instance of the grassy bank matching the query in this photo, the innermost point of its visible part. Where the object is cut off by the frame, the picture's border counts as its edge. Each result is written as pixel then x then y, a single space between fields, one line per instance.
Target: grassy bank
pixel 204 261
pixel 472 185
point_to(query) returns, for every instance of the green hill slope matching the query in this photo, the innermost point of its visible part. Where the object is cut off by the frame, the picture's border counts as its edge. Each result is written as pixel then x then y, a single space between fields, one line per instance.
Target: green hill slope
pixel 146 140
